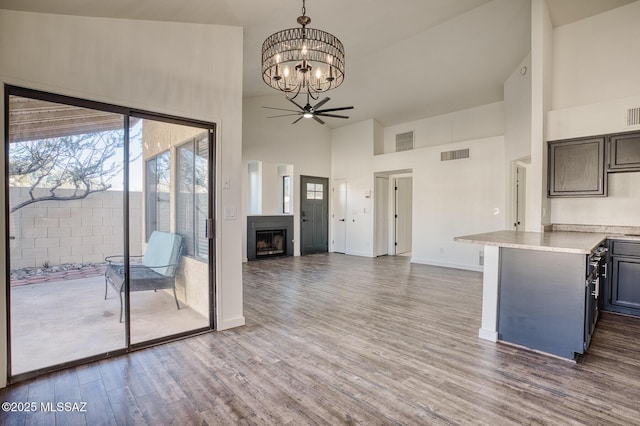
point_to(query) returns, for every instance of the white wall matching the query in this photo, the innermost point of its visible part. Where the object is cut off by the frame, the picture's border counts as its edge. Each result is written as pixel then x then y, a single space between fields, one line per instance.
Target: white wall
pixel 187 70
pixel 538 206
pixel 517 112
pixel 453 198
pixel 595 81
pixel 517 133
pixel 596 59
pixel 449 198
pixel 480 122
pixel 306 146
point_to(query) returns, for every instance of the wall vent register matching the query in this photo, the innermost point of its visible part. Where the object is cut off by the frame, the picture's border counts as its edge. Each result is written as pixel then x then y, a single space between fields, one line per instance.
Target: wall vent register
pixel 633 117
pixel 458 154
pixel 404 141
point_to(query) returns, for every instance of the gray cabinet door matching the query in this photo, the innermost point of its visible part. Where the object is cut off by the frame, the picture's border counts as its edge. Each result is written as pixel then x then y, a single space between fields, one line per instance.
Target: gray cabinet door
pixel 622 287
pixel 624 152
pixel 625 280
pixel 576 168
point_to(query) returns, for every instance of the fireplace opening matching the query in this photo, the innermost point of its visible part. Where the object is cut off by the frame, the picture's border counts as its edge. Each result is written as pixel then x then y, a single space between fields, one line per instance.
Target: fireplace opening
pixel 271 243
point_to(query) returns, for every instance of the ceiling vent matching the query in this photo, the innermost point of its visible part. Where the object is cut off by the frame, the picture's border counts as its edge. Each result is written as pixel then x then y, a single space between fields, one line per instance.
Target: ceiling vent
pixel 404 141
pixel 458 154
pixel 633 117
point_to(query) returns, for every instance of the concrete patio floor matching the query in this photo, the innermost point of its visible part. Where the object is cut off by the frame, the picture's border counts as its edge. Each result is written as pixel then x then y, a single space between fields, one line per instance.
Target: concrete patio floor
pixel 56 322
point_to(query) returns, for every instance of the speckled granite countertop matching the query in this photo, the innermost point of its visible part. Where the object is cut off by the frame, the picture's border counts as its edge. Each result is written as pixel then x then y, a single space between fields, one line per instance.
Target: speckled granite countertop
pixel 557 241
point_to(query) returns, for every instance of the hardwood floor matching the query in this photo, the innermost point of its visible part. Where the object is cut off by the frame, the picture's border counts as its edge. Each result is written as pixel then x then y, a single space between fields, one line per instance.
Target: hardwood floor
pixel 334 339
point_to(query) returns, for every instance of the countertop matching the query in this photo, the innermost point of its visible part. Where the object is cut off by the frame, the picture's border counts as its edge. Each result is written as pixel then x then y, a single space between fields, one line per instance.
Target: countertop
pixel 556 241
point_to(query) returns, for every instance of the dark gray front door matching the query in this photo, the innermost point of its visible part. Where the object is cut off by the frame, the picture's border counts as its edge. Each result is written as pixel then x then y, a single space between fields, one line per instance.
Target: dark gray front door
pixel 314 215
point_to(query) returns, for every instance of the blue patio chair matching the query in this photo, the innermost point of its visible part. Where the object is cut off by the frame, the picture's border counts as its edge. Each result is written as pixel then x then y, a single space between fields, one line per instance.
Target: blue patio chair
pixel 156 271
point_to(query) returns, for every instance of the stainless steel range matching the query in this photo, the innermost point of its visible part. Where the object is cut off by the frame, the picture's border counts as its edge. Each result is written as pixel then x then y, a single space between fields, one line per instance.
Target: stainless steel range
pixel 596 273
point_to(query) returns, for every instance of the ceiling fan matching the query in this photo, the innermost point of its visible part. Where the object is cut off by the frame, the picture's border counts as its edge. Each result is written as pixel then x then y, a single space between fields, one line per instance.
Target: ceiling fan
pixel 309 111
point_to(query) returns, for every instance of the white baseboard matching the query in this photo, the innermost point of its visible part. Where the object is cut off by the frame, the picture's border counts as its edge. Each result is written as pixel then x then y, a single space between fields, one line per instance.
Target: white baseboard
pixel 231 323
pixel 359 253
pixel 490 335
pixel 447 264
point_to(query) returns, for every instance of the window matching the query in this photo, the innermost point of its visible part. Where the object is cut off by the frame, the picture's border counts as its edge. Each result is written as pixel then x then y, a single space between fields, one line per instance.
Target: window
pixel 314 191
pixel 286 194
pixel 192 204
pixel 158 183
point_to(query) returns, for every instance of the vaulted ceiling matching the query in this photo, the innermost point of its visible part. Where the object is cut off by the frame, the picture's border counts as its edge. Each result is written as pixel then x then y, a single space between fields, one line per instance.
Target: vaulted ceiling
pixel 405 60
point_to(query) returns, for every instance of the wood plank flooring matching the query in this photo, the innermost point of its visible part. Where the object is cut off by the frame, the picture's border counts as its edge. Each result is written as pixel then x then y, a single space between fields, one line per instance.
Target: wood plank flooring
pixel 333 339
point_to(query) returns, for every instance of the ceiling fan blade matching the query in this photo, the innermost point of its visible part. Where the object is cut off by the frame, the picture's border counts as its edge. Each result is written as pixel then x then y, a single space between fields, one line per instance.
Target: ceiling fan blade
pixel 315 117
pixel 280 109
pixel 284 115
pixel 331 115
pixel 334 109
pixel 300 118
pixel 322 102
pixel 295 103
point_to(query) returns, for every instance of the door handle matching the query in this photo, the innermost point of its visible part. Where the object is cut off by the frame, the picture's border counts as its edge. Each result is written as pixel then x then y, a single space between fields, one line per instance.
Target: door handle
pixel 341 220
pixel 304 220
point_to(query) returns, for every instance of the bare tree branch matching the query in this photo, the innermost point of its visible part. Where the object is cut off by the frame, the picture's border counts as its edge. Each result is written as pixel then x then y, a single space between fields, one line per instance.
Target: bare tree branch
pixel 84 163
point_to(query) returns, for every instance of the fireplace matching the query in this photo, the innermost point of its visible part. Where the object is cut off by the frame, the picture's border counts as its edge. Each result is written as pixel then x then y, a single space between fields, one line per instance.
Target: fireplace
pixel 269 236
pixel 271 243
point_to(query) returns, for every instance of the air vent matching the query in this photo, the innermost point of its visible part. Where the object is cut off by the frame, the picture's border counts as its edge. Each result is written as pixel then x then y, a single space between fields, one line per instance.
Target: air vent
pixel 404 141
pixel 454 155
pixel 633 117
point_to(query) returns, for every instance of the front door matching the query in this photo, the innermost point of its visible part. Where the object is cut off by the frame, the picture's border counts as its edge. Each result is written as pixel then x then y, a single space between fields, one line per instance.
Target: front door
pixel 314 215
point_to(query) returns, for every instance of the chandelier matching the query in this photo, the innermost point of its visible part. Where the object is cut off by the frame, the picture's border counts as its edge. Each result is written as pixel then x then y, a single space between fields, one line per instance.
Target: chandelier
pixel 304 60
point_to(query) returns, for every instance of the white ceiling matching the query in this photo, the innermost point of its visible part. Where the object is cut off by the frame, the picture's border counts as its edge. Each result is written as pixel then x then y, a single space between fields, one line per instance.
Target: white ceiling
pixel 405 59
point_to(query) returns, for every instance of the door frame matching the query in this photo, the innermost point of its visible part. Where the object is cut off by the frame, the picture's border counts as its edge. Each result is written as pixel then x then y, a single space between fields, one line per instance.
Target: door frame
pixel 126 113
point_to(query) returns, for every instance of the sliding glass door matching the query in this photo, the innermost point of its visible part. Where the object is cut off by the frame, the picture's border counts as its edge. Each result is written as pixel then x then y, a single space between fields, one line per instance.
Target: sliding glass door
pixel 65 207
pixel 169 241
pixel 110 219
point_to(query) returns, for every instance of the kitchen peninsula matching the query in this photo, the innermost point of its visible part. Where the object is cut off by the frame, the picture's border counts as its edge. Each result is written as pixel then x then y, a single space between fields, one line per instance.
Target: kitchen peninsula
pixel 540 289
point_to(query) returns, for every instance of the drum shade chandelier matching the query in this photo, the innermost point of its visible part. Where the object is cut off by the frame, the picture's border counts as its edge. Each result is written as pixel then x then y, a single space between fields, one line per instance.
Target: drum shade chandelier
pixel 302 60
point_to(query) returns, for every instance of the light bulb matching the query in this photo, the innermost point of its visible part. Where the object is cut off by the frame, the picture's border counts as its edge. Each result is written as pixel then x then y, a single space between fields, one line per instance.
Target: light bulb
pixel 304 49
pixel 318 73
pixel 307 115
pixel 286 71
pixel 278 58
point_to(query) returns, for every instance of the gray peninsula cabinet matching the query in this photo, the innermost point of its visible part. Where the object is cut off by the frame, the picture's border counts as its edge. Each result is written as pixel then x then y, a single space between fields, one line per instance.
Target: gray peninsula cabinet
pixel 577 167
pixel 547 302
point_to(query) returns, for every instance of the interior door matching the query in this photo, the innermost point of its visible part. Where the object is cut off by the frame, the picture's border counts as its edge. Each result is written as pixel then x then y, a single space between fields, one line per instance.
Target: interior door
pixel 403 206
pixel 339 215
pixel 314 215
pixel 382 216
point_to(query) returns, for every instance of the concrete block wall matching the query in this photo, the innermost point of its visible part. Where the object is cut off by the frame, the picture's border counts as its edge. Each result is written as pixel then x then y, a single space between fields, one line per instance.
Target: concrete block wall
pixel 75 231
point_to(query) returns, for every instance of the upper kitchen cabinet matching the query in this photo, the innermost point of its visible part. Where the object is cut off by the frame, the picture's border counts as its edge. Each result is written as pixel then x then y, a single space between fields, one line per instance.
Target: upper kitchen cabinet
pixel 576 168
pixel 624 152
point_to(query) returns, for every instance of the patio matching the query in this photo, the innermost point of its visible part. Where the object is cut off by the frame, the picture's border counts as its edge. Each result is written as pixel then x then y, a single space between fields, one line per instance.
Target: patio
pixel 59 321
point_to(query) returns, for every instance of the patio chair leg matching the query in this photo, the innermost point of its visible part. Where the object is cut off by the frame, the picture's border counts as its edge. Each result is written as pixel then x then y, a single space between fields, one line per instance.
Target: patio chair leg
pixel 106 286
pixel 176 297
